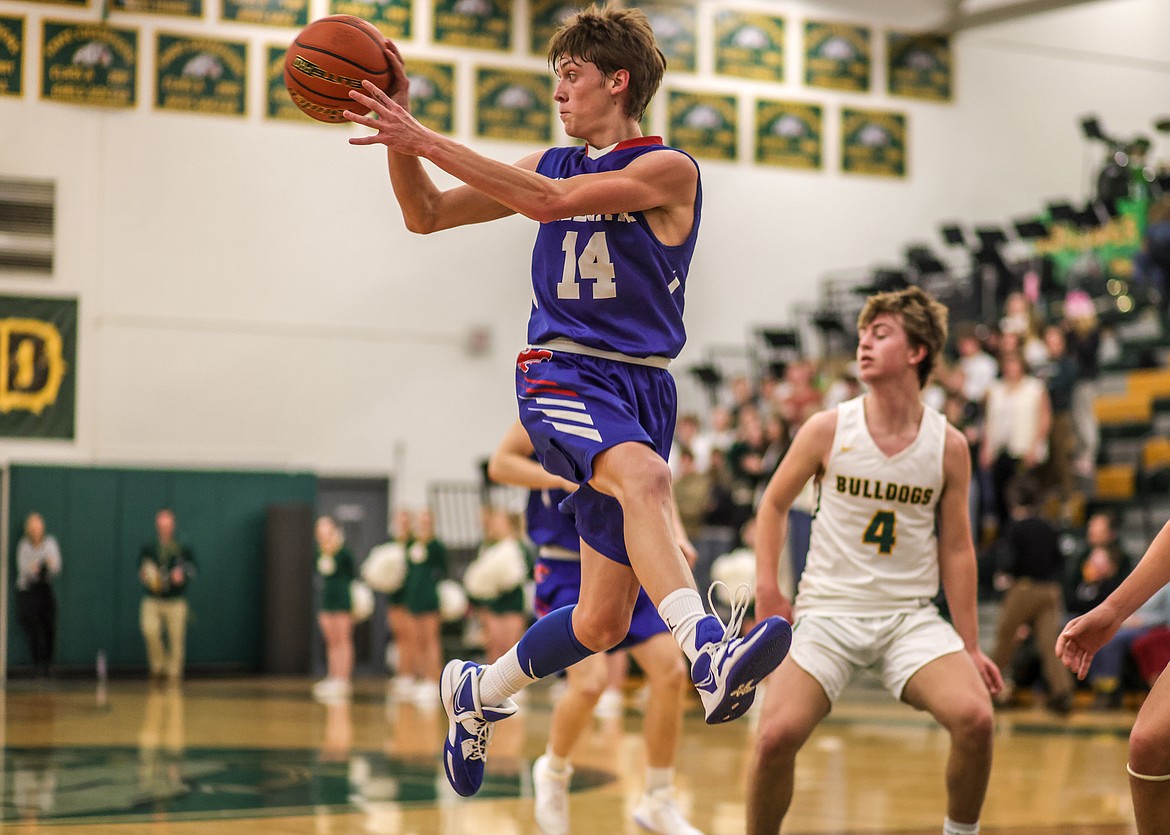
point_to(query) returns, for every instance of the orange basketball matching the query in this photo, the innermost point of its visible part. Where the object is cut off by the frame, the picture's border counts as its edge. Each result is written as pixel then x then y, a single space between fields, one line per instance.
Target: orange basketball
pixel 330 57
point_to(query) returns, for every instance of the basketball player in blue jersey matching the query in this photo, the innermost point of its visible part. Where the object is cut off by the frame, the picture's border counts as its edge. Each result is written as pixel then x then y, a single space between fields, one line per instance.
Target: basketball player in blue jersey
pixel 618 218
pixel 891 520
pixel 558 584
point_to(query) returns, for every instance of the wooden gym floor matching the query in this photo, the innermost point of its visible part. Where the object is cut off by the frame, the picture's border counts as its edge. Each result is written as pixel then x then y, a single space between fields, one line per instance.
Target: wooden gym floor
pixel 251 756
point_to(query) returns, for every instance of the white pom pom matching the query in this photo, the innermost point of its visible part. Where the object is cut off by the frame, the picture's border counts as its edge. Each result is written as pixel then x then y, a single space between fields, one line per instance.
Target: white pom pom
pixel 735 569
pixel 452 601
pixel 385 568
pixel 361 601
pixel 477 580
pixel 506 565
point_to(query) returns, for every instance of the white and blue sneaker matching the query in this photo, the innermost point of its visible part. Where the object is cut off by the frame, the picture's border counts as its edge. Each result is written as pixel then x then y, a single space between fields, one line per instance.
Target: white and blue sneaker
pixel 470 731
pixel 727 672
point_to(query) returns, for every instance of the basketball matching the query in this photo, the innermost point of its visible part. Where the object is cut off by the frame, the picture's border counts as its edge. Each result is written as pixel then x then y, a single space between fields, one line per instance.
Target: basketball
pixel 330 57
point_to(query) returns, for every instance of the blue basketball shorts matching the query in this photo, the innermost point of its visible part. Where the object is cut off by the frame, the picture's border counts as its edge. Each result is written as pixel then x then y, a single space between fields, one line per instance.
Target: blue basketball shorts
pixel 558 584
pixel 576 406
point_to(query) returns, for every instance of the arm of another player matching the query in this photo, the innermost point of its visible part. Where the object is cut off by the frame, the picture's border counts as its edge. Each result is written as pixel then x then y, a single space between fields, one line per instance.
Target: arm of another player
pixel 512 463
pixel 804 459
pixel 956 555
pixel 661 180
pixel 1083 636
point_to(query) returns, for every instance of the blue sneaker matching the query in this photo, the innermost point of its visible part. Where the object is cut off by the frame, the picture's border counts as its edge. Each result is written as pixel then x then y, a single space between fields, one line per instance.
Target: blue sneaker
pixel 470 731
pixel 727 671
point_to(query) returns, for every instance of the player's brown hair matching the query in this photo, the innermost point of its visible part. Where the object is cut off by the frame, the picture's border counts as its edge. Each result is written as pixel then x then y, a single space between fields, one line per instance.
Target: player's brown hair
pixel 612 39
pixel 923 318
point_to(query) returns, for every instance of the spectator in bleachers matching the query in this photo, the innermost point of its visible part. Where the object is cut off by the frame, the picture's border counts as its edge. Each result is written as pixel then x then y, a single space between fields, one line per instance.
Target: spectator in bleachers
pixel 1151 266
pixel 1031 572
pixel 745 463
pixel 1020 318
pixel 743 396
pixel 1105 671
pixel 979 367
pixel 964 416
pixel 798 396
pixel 1015 429
pixel 1059 374
pixel 692 494
pixel 845 386
pixel 719 434
pixel 720 508
pixel 686 436
pixel 1099 568
pixel 1083 334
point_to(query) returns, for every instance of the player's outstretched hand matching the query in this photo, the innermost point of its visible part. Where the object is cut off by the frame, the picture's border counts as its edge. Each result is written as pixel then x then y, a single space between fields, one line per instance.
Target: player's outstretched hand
pixel 988 672
pixel 393 125
pixel 1080 639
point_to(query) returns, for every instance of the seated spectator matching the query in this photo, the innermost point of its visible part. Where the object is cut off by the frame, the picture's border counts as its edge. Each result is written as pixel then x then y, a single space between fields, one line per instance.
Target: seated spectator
pixel 686 435
pixel 979 368
pixel 1105 671
pixel 799 398
pixel 1031 571
pixel 1099 569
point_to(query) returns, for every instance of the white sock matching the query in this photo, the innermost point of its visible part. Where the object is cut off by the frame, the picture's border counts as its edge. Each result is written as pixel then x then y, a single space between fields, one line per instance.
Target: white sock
pixel 557 765
pixel 682 610
pixel 952 828
pixel 658 778
pixel 502 678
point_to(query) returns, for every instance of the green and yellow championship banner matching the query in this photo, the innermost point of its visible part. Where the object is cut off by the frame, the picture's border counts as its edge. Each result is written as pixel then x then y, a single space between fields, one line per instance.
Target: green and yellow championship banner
pixel 179 8
pixel 11 55
pixel 873 142
pixel 287 13
pixel 545 17
pixel 836 55
pixel 703 124
pixel 474 24
pixel 749 45
pixel 675 24
pixel 789 134
pixel 89 63
pixel 277 103
pixel 432 94
pixel 200 75
pixel 919 65
pixel 513 104
pixel 38 362
pixel 392 17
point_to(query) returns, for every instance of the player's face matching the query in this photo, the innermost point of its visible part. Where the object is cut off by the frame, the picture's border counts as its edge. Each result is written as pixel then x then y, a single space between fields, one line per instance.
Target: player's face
pixel 883 349
pixel 582 96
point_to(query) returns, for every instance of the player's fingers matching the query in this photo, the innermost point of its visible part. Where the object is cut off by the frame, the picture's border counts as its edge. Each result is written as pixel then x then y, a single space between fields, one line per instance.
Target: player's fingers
pixel 361 119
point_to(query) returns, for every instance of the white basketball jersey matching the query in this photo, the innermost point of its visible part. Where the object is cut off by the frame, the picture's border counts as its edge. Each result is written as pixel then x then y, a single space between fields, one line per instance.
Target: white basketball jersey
pixel 873 548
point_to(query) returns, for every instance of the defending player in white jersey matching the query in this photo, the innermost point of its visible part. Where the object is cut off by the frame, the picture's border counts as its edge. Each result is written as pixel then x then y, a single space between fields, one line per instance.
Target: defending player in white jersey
pixel 891 521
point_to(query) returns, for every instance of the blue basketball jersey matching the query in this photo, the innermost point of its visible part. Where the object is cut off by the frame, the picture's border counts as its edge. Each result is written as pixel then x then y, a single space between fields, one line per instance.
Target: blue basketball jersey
pixel 606 281
pixel 546 524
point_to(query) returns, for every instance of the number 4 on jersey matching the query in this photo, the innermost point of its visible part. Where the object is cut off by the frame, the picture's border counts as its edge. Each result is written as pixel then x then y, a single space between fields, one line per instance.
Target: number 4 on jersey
pixel 882 532
pixel 593 264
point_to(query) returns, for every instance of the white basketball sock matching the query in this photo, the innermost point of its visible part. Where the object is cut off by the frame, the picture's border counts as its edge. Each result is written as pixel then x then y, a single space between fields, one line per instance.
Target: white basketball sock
pixel 682 610
pixel 950 827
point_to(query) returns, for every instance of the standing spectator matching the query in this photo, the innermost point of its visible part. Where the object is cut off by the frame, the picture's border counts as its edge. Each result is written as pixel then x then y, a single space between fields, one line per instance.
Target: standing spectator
pixel 1032 572
pixel 686 434
pixel 1015 429
pixel 1084 343
pixel 1020 319
pixel 165 566
pixel 979 367
pixel 1151 266
pixel 1059 374
pixel 743 396
pixel 38 560
pixel 426 567
pixel 335 568
pixel 745 462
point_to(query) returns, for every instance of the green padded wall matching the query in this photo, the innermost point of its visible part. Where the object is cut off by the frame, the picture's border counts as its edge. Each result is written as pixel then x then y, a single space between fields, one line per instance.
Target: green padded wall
pixel 103 516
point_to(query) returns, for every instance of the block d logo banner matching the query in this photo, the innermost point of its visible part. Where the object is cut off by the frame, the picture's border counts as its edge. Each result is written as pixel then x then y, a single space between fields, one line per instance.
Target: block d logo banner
pixel 38 350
